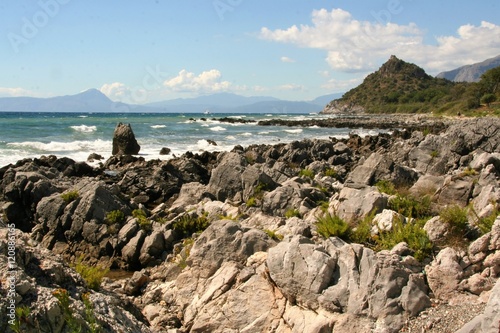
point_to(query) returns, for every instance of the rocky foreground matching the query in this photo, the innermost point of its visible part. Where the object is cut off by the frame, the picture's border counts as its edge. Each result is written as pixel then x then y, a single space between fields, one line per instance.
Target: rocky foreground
pixel 230 242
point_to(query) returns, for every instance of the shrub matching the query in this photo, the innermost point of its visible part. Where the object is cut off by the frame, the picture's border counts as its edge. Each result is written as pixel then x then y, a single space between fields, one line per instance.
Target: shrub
pixel 306 173
pixel 251 202
pixel 273 235
pixel 434 154
pixel 332 226
pixel 183 255
pixel 115 216
pixel 142 219
pixel 411 233
pixel 91 274
pixel 456 217
pixel 70 196
pixel 91 324
pixel 188 225
pixel 410 206
pixel 486 223
pixel 22 314
pixel 90 317
pixel 331 173
pixel 386 186
pixel 292 213
pixel 362 233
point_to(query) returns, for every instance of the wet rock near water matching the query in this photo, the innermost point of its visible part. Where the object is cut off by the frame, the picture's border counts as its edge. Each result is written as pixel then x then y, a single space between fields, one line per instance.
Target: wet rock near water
pixel 229 241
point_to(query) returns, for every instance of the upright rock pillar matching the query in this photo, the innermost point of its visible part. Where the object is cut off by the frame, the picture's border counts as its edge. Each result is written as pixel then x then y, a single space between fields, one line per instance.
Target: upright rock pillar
pixel 124 142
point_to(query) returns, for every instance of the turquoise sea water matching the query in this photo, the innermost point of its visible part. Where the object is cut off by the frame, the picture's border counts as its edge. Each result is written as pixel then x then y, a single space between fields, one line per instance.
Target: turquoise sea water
pixel 77 135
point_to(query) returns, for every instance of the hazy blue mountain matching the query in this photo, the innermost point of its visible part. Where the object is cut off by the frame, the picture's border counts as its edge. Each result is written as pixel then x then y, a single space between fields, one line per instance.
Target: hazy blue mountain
pixel 470 73
pixel 214 100
pixel 91 100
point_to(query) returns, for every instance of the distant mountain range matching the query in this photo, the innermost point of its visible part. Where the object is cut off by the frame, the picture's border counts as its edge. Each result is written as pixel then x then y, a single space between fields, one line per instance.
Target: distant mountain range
pixel 470 73
pixel 93 100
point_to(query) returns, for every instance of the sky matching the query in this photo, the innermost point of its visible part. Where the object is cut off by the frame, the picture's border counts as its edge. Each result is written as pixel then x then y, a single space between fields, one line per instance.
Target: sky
pixel 153 50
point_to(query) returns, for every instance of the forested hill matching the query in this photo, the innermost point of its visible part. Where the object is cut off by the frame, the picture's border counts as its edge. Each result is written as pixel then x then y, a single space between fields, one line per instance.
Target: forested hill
pixel 402 87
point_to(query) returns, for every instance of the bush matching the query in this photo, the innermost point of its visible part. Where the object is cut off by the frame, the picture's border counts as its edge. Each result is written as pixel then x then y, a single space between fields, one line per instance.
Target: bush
pixel 306 173
pixel 456 217
pixel 411 233
pixel 362 233
pixel 115 216
pixel 251 202
pixel 142 219
pixel 187 225
pixel 70 196
pixel 331 173
pixel 486 223
pixel 386 186
pixel 273 235
pixel 332 226
pixel 292 213
pixel 91 274
pixel 410 206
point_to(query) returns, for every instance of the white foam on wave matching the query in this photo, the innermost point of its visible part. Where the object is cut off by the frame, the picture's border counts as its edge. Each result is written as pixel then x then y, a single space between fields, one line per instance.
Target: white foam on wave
pixel 84 128
pixel 217 129
pixel 246 134
pixel 294 131
pixel 158 126
pixel 56 146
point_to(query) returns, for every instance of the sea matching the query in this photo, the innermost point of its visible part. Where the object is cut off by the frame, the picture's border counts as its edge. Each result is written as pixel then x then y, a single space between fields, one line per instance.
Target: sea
pixel 77 135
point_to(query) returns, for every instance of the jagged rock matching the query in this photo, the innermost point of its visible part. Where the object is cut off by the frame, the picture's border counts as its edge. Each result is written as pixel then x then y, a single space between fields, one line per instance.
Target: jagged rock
pixel 225 182
pixel 436 229
pixel 376 167
pixel 224 241
pixel 131 251
pixel 124 142
pixel 456 191
pixel 354 204
pixel 190 194
pixel 339 277
pixel 40 274
pixel 444 273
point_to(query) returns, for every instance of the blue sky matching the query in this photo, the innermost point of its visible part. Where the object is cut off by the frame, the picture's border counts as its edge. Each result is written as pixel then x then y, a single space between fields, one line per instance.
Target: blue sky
pixel 152 50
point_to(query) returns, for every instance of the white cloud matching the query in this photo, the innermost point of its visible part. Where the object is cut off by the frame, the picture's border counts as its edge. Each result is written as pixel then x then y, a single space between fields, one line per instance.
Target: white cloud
pixel 16 92
pixel 120 92
pixel 292 87
pixel 206 82
pixel 335 85
pixel 287 59
pixel 360 46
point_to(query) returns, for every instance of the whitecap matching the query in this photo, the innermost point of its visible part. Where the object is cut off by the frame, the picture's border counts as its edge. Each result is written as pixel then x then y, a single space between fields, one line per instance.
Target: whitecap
pixel 294 131
pixel 158 126
pixel 246 134
pixel 217 129
pixel 84 128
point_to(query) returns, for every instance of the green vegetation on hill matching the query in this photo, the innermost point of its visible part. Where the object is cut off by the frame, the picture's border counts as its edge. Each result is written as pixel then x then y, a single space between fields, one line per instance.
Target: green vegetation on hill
pixel 401 87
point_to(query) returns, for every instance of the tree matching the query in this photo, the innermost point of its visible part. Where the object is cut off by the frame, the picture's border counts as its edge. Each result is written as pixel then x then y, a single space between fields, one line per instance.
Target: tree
pixel 488 99
pixel 490 81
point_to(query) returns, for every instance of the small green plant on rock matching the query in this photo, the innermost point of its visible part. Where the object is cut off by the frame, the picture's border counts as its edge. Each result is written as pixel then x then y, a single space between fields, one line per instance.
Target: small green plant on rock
pixel 456 217
pixel 292 213
pixel 331 172
pixel 332 226
pixel 183 255
pixel 386 186
pixel 115 217
pixel 306 173
pixel 190 224
pixel 91 274
pixel 142 219
pixel 412 233
pixel 70 196
pixel 22 314
pixel 251 202
pixel 273 235
pixel 411 206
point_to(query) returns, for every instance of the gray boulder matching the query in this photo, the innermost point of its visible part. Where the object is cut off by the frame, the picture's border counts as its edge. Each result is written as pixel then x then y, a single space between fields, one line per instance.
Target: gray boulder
pixel 124 142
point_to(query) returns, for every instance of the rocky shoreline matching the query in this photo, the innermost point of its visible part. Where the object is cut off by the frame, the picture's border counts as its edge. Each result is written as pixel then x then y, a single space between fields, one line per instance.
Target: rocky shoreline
pixel 232 241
